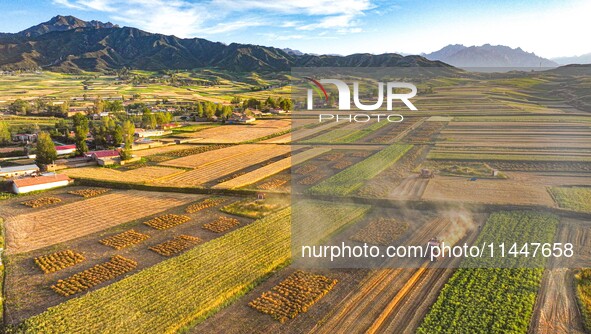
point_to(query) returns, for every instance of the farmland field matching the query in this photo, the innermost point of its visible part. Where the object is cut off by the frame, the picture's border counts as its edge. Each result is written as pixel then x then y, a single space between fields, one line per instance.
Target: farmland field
pixel 26 232
pixel 222 165
pixel 138 175
pixel 249 254
pixel 353 177
pixel 573 198
pixel 233 134
pixel 271 169
pixel 500 296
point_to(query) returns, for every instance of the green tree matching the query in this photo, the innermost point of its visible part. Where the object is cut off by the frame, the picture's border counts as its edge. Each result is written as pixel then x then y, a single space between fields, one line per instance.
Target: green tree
pixel 117 135
pixel 236 100
pixel 46 153
pixel 5 137
pixel 99 106
pixel 81 129
pixel 149 119
pixel 128 133
pixel 270 102
pixel 20 107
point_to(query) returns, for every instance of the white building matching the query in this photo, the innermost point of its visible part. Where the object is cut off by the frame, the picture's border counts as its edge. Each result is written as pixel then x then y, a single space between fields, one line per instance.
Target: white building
pixel 25 185
pixel 8 172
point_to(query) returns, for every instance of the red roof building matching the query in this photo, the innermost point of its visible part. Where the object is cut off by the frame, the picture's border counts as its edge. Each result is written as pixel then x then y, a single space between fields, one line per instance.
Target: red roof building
pixel 28 184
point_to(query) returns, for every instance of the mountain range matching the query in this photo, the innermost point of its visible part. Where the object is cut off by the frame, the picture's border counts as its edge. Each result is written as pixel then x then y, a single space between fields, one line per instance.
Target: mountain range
pixel 488 56
pixel 68 44
pixel 582 59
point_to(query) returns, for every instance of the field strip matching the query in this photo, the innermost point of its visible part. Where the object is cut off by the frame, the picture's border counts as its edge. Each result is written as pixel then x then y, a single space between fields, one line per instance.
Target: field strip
pixel 214 156
pixel 271 169
pixel 30 231
pixel 300 134
pixel 139 175
pixel 220 168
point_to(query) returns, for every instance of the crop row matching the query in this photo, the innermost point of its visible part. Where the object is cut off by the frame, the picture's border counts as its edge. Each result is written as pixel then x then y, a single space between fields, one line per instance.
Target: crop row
pixel 89 192
pixel 116 266
pixel 354 177
pixel 175 245
pixel 196 289
pixel 294 295
pixel 221 224
pixel 41 201
pixel 124 239
pixel 204 204
pixel 59 260
pixel 167 221
pixel 494 294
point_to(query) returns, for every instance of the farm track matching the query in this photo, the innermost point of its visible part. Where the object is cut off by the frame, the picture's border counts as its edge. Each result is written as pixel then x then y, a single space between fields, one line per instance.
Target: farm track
pixel 556 309
pixel 357 312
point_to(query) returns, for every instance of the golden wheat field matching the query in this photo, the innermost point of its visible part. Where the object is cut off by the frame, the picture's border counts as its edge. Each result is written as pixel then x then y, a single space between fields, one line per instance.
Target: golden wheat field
pixel 26 232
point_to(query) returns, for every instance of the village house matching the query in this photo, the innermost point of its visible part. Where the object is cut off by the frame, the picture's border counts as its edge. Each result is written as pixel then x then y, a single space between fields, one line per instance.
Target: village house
pixel 25 137
pixel 238 118
pixel 28 184
pixel 65 149
pixel 9 172
pixel 143 133
pixel 105 157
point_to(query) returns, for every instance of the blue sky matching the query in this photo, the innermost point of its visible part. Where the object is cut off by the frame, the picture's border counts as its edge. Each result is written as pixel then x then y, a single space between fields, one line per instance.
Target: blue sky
pixel 549 28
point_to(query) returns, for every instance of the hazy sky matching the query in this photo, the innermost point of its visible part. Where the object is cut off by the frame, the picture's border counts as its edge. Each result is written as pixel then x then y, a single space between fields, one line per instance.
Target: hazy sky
pixel 548 28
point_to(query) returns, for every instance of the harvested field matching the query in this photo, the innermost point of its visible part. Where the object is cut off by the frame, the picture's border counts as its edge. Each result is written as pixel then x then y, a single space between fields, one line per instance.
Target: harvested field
pixel 234 134
pixel 381 231
pixel 300 134
pixel 271 169
pixel 221 167
pixel 26 232
pixel 175 245
pixel 557 310
pixel 210 157
pixel 59 260
pixel 448 188
pixel 138 175
pixel 294 295
pixel 385 184
pixel 192 149
pixel 161 150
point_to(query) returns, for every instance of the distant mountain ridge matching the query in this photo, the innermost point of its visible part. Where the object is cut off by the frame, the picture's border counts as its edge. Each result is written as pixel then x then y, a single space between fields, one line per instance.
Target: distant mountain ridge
pixel 68 44
pixel 60 23
pixel 488 56
pixel 582 59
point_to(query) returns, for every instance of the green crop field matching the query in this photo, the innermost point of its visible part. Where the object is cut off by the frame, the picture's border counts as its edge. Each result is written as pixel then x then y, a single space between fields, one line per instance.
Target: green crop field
pixel 353 177
pixel 583 281
pixel 494 295
pixel 573 198
pixel 186 289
